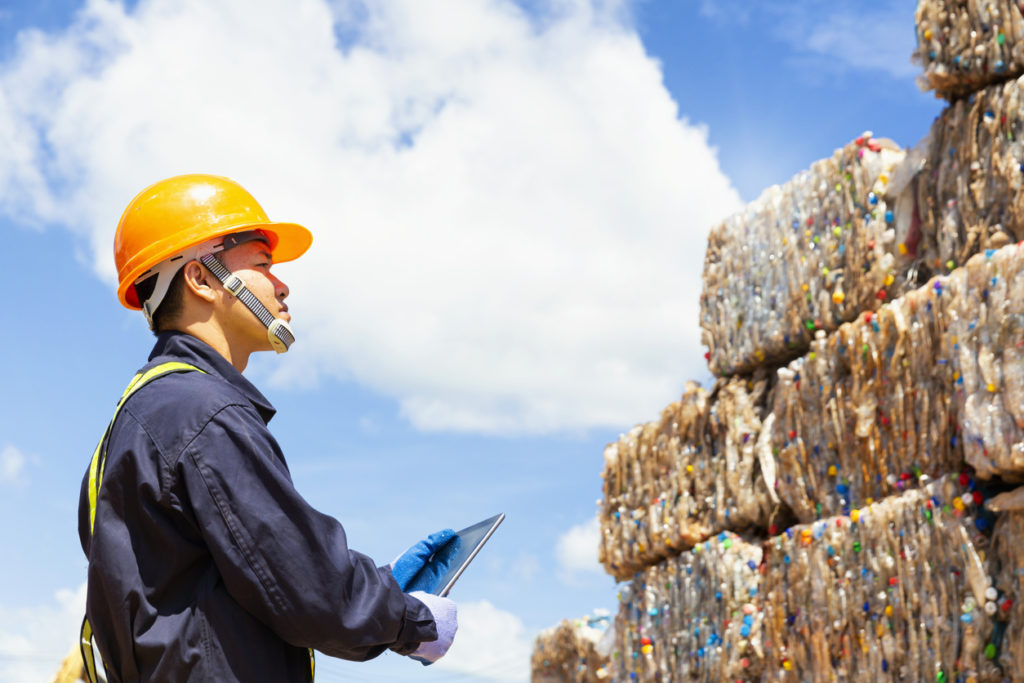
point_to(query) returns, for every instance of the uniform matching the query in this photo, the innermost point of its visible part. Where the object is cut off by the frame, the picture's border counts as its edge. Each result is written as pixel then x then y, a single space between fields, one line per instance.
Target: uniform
pixel 205 563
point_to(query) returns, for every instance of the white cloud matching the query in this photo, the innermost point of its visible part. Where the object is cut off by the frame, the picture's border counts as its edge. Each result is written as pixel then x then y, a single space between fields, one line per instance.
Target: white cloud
pixel 878 39
pixel 35 640
pixel 510 217
pixel 491 644
pixel 576 550
pixel 870 36
pixel 12 465
pixel 735 11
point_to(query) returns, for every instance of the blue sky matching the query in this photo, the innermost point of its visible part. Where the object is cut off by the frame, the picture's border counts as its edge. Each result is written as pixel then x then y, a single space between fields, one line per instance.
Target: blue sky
pixel 509 202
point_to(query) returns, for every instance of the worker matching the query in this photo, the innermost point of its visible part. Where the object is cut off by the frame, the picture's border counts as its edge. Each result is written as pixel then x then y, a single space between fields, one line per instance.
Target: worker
pixel 205 563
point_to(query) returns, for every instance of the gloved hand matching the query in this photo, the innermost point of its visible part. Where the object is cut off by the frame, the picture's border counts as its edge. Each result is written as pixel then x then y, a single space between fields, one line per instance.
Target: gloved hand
pixel 421 567
pixel 446 618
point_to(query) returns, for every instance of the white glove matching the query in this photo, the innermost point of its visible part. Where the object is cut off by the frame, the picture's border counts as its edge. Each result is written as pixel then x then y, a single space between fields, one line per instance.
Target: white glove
pixel 446 618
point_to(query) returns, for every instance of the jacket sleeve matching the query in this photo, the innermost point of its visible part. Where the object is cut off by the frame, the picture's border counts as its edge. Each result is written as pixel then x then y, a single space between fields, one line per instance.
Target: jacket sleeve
pixel 283 561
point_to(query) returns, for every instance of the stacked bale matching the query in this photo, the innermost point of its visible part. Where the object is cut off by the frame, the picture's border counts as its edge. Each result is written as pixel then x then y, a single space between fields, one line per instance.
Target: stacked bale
pixel 919 586
pixel 695 616
pixel 965 45
pixel 966 198
pixel 867 414
pixel 876 428
pixel 571 652
pixel 900 590
pixel 914 388
pixel 885 405
pixel 673 482
pixel 808 255
pixel 833 243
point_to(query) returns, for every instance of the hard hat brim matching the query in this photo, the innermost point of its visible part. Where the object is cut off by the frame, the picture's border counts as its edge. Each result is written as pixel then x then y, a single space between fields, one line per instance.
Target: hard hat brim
pixel 289 241
pixel 292 240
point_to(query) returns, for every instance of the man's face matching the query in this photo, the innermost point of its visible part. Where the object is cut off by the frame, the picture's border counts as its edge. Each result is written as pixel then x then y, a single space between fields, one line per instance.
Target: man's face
pixel 252 261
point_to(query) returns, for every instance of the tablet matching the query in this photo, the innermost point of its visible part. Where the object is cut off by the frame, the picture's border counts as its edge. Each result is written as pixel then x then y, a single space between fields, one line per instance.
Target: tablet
pixel 473 538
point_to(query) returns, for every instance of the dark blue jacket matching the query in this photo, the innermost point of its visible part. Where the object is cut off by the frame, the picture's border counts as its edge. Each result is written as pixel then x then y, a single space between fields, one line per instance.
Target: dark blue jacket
pixel 205 563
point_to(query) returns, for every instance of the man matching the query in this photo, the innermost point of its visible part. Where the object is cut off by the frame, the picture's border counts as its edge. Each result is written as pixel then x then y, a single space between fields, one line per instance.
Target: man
pixel 205 563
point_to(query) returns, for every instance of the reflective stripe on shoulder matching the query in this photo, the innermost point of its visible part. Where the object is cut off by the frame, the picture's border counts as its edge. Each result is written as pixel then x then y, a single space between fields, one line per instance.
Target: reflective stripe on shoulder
pixel 96 467
pixel 99 456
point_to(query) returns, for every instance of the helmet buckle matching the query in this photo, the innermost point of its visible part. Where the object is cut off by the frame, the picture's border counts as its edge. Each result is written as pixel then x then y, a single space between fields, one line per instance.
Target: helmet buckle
pixel 234 284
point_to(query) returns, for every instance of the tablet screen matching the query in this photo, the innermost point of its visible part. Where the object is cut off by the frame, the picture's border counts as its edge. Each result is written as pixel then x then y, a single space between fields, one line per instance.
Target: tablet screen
pixel 473 538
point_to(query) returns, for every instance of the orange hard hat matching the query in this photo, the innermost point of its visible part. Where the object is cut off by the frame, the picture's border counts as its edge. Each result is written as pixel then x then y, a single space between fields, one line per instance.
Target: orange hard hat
pixel 181 212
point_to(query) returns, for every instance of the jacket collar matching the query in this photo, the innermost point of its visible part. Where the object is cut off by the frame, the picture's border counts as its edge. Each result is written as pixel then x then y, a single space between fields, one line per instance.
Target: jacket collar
pixel 179 346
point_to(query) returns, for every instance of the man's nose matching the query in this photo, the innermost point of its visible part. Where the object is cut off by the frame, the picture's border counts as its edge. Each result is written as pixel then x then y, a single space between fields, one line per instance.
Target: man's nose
pixel 281 290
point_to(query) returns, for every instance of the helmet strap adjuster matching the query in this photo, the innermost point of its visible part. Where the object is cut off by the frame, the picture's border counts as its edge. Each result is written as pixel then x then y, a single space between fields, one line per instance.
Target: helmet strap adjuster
pixel 234 284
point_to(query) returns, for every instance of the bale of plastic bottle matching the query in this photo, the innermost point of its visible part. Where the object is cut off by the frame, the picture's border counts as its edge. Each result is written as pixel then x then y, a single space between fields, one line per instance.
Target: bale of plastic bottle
pixel 640 469
pixel 674 482
pixel 695 616
pixel 805 256
pixel 965 45
pixel 927 381
pixel 899 590
pixel 984 302
pixel 965 195
pixel 574 651
pixel 866 412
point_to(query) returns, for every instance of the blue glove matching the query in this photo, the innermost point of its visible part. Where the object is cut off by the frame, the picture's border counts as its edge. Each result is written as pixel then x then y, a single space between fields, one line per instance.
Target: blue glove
pixel 421 567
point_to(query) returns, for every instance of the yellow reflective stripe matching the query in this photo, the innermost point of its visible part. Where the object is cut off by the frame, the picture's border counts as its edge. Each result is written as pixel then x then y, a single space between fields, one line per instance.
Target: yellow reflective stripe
pixel 93 487
pixel 153 373
pixel 96 468
pixel 95 471
pixel 88 659
pixel 99 460
pixel 312 665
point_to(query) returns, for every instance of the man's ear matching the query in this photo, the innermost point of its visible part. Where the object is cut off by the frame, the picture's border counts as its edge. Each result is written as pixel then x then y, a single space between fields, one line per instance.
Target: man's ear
pixel 199 281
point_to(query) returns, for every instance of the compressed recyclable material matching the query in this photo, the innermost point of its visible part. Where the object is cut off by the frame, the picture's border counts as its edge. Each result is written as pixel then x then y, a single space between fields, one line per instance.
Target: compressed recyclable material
pixel 965 45
pixel 575 651
pixel 866 412
pixel 901 590
pixel 1008 556
pixel 807 255
pixel 641 466
pixel 673 482
pixel 696 616
pixel 985 307
pixel 926 381
pixel 967 188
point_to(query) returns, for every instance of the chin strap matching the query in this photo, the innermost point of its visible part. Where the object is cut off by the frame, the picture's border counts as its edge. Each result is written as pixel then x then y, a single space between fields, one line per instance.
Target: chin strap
pixel 278 331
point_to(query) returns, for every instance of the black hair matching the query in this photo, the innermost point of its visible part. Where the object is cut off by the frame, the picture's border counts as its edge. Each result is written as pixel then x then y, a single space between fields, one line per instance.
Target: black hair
pixel 170 308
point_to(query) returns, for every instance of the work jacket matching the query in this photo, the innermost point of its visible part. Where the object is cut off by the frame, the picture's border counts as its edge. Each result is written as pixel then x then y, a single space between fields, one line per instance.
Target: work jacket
pixel 205 563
